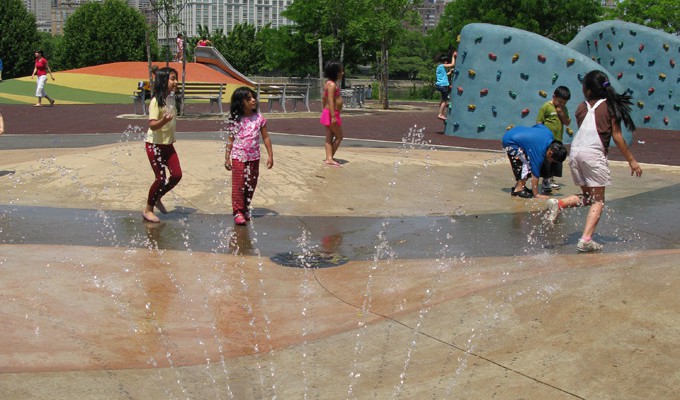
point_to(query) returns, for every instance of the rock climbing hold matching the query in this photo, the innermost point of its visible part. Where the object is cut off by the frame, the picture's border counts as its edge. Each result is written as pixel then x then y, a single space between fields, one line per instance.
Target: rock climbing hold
pixel 472 107
pixel 662 76
pixel 481 127
pixel 498 75
pixel 515 57
pixel 512 94
pixel 642 47
pixel 619 75
pixel 620 45
pixel 525 112
pixel 570 62
pixel 672 62
pixel 472 73
pixel 459 90
pixel 648 118
pixel 524 76
pixel 633 32
pixel 483 92
pixel 554 78
pixel 639 75
pixel 631 61
pixel 542 93
pixel 492 57
pixel 650 90
pixel 609 46
pixel 666 46
pixel 509 127
pixel 507 39
pixel 665 120
pixel 541 58
pixel 641 104
pixel 651 62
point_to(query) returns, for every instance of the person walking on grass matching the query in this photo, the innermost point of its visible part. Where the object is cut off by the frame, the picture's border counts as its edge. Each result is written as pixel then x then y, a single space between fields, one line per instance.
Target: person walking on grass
pixel 159 142
pixel 599 120
pixel 42 68
pixel 242 153
pixel 330 115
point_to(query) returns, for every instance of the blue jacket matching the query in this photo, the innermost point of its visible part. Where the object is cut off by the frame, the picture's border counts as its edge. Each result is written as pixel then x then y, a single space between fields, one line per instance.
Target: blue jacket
pixel 534 142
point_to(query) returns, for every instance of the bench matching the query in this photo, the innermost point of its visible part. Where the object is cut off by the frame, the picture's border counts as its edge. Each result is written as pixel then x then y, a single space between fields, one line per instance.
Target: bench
pixel 141 95
pixel 354 97
pixel 203 91
pixel 282 92
pixel 192 91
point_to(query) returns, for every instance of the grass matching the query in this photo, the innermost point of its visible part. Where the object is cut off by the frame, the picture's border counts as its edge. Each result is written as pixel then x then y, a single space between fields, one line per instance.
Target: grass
pixel 21 91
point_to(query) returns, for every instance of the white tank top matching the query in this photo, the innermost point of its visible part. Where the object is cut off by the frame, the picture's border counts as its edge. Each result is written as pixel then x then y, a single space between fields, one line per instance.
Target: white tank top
pixel 587 137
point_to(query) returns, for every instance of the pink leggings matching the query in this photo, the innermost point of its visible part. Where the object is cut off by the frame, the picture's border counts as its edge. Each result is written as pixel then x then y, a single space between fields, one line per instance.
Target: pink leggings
pixel 160 157
pixel 244 176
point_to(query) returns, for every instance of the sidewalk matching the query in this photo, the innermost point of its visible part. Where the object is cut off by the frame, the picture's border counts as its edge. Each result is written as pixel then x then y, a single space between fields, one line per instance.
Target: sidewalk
pixel 649 146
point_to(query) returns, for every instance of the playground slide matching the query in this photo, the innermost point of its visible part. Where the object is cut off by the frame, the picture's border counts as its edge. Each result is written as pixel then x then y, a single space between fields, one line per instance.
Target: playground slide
pixel 214 59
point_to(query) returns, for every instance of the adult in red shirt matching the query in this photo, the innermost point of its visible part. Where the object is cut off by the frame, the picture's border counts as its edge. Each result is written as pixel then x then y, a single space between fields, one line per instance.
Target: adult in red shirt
pixel 42 68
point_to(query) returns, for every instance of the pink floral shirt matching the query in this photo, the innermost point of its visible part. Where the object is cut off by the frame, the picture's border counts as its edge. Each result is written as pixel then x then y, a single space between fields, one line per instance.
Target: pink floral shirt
pixel 246 146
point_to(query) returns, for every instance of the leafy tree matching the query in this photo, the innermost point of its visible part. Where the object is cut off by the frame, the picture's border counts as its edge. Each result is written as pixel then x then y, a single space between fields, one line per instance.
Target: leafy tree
pixel 99 33
pixel 556 20
pixel 379 24
pixel 658 14
pixel 244 49
pixel 18 37
pixel 287 50
pixel 409 58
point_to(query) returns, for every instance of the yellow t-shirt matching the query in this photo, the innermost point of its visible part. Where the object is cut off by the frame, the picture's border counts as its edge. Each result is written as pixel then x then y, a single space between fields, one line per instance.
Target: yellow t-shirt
pixel 165 135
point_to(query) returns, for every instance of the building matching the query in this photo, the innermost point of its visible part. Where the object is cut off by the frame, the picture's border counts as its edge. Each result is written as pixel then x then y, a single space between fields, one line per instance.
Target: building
pixel 430 12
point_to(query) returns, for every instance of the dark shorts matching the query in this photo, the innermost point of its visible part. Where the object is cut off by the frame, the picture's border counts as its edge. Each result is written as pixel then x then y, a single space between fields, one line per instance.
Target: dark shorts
pixel 444 90
pixel 549 170
pixel 517 161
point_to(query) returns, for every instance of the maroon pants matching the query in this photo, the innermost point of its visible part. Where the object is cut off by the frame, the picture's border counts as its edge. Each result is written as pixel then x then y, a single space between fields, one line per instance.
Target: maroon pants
pixel 244 176
pixel 162 156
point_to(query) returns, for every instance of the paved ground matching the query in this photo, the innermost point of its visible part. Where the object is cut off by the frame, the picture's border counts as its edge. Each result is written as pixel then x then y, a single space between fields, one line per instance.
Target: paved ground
pixel 445 287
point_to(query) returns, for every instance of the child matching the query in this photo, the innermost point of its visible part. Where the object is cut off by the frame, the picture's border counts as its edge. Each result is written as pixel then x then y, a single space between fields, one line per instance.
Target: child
pixel 330 115
pixel 242 155
pixel 42 68
pixel 555 116
pixel 159 142
pixel 599 120
pixel 442 83
pixel 528 147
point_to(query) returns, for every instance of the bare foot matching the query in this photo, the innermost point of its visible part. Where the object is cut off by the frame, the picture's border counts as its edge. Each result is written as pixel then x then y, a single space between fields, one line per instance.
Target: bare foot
pixel 161 207
pixel 332 163
pixel 37 105
pixel 150 216
pixel 443 118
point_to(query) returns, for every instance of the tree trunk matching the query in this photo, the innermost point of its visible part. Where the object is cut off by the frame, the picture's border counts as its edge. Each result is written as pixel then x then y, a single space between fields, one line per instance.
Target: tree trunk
pixel 384 76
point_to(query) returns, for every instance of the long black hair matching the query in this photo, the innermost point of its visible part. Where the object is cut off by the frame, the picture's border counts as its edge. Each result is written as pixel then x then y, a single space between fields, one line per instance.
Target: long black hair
pixel 332 70
pixel 598 86
pixel 160 86
pixel 237 110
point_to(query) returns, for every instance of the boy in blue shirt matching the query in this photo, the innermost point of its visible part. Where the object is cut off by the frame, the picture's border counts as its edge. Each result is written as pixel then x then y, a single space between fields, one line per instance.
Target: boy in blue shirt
pixel 528 148
pixel 442 83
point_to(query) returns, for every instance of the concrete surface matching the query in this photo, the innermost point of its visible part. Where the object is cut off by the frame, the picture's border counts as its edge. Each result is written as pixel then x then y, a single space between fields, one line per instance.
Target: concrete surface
pixel 451 290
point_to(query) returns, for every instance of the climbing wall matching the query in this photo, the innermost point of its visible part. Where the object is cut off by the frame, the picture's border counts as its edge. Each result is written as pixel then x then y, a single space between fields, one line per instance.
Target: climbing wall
pixel 643 61
pixel 503 75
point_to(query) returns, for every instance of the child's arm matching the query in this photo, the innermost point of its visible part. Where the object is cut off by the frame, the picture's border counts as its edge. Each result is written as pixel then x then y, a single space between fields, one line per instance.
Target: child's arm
pixel 623 148
pixel 331 99
pixel 156 124
pixel 268 146
pixel 2 125
pixel 47 64
pixel 227 152
pixel 563 115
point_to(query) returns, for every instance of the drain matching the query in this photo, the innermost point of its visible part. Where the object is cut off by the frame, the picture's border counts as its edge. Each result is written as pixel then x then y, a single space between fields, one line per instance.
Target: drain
pixel 309 260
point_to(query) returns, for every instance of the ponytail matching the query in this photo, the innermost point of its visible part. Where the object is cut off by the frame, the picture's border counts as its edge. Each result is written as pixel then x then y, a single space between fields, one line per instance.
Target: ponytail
pixel 619 105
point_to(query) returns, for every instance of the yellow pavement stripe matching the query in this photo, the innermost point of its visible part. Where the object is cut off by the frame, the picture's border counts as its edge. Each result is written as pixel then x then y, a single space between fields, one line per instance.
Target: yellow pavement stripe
pixel 95 83
pixel 33 99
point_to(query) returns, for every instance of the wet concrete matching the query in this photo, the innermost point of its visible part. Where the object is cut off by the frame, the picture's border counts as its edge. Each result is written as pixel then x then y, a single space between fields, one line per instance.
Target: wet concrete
pixel 452 288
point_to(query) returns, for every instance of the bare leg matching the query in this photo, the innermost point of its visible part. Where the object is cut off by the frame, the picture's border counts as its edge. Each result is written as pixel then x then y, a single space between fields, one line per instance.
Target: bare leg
pixel 331 146
pixel 596 207
pixel 442 109
pixel 337 132
pixel 149 215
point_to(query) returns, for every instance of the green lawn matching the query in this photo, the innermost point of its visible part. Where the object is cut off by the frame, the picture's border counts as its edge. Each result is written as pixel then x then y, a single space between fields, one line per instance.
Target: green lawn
pixel 23 88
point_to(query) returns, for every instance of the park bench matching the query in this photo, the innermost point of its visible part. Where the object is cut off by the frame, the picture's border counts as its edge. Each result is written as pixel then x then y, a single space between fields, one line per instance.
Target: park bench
pixel 282 92
pixel 192 91
pixel 354 97
pixel 204 91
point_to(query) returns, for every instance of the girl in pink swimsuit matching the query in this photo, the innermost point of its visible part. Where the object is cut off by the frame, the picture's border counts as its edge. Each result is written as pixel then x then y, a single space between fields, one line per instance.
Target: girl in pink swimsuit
pixel 330 116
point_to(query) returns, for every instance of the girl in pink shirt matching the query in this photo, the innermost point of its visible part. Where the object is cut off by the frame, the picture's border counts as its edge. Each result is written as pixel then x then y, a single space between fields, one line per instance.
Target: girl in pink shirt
pixel 242 155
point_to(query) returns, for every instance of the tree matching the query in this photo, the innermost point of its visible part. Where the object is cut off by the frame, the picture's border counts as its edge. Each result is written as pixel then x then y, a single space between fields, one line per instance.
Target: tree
pixel 18 37
pixel 556 20
pixel 244 49
pixel 658 14
pixel 99 33
pixel 379 24
pixel 409 57
pixel 286 50
pixel 168 12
